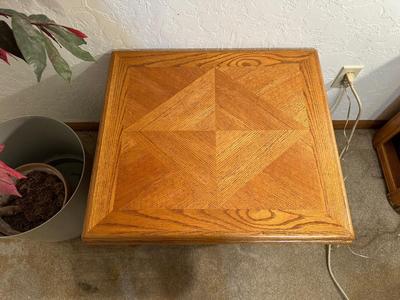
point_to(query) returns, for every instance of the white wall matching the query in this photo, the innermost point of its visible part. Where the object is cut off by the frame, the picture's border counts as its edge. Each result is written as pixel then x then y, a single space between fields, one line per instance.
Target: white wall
pixel 344 32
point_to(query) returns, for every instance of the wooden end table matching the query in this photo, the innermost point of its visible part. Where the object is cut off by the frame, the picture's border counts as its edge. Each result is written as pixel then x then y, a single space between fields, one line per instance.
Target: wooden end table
pixel 387 144
pixel 216 147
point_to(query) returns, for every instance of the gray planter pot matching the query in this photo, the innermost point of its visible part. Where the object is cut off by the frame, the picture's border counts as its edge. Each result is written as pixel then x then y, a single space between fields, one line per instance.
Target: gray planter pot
pixel 39 139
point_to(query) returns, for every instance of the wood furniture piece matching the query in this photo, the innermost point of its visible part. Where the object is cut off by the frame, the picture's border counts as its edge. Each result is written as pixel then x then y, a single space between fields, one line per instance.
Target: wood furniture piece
pixel 387 144
pixel 216 146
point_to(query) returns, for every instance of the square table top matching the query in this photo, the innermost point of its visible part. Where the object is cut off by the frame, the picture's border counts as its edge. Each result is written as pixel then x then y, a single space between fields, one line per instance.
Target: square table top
pixel 216 147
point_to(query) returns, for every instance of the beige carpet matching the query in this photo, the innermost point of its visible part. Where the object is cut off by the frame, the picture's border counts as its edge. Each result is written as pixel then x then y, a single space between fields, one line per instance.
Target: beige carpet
pixel 72 270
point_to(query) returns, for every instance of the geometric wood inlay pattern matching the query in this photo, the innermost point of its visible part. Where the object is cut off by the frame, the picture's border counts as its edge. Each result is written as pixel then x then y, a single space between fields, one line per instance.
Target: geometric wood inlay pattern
pixel 217 146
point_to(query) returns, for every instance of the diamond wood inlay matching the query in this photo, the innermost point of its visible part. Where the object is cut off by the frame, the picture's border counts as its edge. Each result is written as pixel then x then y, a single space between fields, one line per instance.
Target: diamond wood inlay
pixel 216 146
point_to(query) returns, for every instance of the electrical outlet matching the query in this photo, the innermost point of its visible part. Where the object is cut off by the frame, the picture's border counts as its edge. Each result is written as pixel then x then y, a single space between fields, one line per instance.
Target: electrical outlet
pixel 337 83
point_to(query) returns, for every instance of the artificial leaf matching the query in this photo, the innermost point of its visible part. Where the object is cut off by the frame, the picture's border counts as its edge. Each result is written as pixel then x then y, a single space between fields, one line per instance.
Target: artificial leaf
pixel 30 42
pixel 8 12
pixel 7 175
pixel 78 33
pixel 8 189
pixel 59 64
pixel 10 171
pixel 76 51
pixel 48 33
pixel 40 19
pixel 3 55
pixel 7 40
pixel 68 36
pixel 71 46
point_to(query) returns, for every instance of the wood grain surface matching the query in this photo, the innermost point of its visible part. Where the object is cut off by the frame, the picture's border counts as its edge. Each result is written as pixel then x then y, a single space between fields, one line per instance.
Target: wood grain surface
pixel 216 146
pixel 389 158
pixel 337 124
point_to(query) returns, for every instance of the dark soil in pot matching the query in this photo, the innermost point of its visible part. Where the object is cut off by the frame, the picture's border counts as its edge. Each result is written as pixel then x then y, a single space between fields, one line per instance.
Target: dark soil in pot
pixel 42 197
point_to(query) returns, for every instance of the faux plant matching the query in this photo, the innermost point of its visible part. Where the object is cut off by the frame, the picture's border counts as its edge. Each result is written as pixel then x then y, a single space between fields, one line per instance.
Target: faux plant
pixel 32 37
pixel 7 178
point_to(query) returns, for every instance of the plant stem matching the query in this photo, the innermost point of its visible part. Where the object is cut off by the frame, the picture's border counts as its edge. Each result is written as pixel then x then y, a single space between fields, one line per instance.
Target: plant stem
pixel 9 210
pixel 6 229
pixel 4 200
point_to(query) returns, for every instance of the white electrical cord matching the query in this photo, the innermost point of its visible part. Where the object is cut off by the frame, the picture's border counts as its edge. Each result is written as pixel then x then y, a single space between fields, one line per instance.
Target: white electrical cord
pixel 328 263
pixel 338 99
pixel 347 82
pixel 359 103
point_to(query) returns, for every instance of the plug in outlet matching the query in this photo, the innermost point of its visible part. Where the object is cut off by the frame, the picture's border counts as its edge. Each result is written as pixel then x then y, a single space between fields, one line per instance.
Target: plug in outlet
pixel 338 82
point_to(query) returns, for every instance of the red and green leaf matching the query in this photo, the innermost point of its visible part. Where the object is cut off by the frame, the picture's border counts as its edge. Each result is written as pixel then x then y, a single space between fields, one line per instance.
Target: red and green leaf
pixel 8 176
pixel 61 33
pixel 78 33
pixel 59 64
pixel 7 12
pixel 70 42
pixel 42 19
pixel 28 39
pixel 48 33
pixel 30 42
pixel 7 41
pixel 3 55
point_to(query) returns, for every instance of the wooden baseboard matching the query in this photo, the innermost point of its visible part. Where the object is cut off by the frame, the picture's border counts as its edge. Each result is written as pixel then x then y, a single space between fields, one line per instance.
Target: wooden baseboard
pixel 337 124
pixel 362 124
pixel 84 126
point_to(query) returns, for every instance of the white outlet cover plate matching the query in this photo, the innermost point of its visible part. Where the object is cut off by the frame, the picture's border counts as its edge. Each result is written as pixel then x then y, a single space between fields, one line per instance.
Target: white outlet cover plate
pixel 337 82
